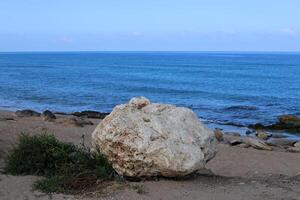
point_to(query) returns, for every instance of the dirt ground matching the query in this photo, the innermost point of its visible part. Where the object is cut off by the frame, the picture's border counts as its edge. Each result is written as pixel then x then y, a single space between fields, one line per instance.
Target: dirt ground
pixel 237 173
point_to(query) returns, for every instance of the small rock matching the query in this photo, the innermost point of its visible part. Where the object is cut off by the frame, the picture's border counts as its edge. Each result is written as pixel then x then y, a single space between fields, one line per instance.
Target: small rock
pixel 139 102
pixel 297 144
pixel 256 143
pixel 281 142
pixel 289 120
pixel 48 116
pixel 91 114
pixel 27 113
pixel 218 134
pixel 293 149
pixel 256 126
pixel 233 133
pixel 248 132
pixel 279 135
pixel 262 135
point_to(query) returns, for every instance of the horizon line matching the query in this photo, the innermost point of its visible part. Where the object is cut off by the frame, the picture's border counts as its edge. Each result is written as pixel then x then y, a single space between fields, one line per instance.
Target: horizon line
pixel 152 51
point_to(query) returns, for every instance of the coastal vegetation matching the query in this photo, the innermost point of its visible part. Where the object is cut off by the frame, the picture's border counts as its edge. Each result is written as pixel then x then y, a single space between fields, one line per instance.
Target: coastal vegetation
pixel 67 168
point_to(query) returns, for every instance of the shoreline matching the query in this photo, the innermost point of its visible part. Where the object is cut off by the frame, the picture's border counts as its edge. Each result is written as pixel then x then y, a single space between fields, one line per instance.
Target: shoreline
pixel 227 127
pixel 235 168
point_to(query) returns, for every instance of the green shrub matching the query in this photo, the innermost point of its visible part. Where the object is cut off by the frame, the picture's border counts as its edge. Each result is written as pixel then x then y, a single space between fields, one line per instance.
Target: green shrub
pixel 66 167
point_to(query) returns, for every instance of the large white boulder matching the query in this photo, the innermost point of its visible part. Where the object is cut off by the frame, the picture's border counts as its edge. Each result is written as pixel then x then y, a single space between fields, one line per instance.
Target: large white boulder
pixel 150 139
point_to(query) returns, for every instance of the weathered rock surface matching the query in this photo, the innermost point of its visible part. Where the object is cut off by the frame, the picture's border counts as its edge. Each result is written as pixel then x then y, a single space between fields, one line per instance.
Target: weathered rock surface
pixel 281 142
pixel 297 144
pixel 149 139
pixel 256 143
pixel 289 121
pixel 27 113
pixel 263 135
pixel 48 116
pixel 294 149
pixel 218 134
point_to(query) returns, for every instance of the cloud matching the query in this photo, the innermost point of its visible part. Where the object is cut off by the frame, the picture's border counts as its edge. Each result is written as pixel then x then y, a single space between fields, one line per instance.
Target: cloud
pixel 288 31
pixel 137 33
pixel 67 39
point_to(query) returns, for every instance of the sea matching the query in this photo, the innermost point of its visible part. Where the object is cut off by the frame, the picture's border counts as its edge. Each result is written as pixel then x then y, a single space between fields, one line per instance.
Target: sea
pixel 225 89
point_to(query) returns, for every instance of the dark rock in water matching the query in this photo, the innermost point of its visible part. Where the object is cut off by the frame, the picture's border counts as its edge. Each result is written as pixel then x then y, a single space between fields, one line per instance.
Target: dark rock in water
pixel 249 132
pixel 233 108
pixel 279 135
pixel 288 123
pixel 91 114
pixel 48 116
pixel 27 113
pixel 61 113
pixel 230 124
pixel 233 133
pixel 218 134
pixel 256 126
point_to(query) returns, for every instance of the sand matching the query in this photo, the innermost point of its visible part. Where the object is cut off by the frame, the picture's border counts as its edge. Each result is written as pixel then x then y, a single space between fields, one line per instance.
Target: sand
pixel 238 173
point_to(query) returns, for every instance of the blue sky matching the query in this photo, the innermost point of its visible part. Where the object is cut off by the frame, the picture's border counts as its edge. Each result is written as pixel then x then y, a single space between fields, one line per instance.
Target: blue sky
pixel 156 25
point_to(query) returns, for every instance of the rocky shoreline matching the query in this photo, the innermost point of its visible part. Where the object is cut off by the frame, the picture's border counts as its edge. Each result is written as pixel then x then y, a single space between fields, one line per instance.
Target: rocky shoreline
pixel 264 136
pixel 243 158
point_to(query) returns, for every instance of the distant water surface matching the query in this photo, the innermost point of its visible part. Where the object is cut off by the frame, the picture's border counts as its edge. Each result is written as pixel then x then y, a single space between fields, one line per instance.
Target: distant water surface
pixel 220 87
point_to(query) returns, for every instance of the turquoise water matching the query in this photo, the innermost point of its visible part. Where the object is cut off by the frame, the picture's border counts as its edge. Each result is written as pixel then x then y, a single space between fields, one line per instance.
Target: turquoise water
pixel 220 87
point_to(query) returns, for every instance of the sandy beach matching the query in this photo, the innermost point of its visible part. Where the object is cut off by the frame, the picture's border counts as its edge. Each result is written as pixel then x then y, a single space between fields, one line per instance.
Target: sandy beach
pixel 235 173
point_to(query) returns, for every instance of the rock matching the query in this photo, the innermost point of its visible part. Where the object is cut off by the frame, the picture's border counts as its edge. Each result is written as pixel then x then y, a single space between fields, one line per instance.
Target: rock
pixel 235 142
pixel 233 133
pixel 293 149
pixel 248 132
pixel 263 135
pixel 281 142
pixel 279 135
pixel 297 144
pixel 48 116
pixel 218 134
pixel 27 113
pixel 90 114
pixel 290 121
pixel 256 126
pixel 243 145
pixel 256 143
pixel 75 121
pixel 231 139
pixel 144 139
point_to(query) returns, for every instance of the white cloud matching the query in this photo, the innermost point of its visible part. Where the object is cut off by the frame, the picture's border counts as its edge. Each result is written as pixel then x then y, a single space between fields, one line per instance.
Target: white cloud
pixel 137 33
pixel 67 39
pixel 288 31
